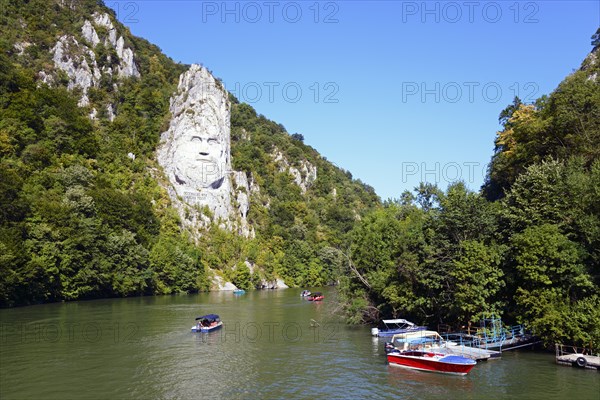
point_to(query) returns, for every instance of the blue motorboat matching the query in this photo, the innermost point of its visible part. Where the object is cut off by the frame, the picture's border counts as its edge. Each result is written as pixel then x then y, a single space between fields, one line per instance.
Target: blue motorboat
pixel 207 323
pixel 239 291
pixel 395 326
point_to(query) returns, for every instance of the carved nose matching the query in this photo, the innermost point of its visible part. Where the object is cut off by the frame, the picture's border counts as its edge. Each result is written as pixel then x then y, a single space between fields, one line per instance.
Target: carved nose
pixel 203 149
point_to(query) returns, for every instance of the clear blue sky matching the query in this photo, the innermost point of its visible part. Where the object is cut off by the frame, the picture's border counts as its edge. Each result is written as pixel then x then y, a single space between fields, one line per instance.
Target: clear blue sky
pixel 397 92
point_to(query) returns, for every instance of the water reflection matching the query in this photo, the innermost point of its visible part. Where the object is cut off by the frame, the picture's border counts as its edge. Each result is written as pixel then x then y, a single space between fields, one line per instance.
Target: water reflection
pixel 427 382
pixel 269 347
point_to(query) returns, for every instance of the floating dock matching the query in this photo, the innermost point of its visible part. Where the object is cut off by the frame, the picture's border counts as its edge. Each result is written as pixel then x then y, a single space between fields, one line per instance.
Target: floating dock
pixel 474 353
pixel 493 337
pixel 577 357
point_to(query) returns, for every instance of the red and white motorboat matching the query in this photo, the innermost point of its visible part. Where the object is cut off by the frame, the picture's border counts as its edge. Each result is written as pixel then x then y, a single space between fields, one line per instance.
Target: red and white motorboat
pixel 432 362
pixel 426 351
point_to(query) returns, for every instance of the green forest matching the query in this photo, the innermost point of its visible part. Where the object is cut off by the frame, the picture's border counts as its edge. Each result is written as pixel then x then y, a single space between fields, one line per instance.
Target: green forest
pixel 526 247
pixel 80 219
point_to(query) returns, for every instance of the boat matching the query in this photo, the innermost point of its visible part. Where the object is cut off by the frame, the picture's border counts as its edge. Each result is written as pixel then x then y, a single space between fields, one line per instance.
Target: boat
pixel 426 351
pixel 316 296
pixel 396 326
pixel 207 323
pixel 429 361
pixel 418 340
pixel 239 291
pixel 305 293
pixel 432 341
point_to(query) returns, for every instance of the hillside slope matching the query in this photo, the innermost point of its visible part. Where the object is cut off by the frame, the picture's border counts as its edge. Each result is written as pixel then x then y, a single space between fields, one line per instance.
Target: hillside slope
pixel 85 205
pixel 526 249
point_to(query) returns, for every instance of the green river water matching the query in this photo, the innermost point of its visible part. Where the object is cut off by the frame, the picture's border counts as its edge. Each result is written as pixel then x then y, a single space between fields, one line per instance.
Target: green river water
pixel 142 348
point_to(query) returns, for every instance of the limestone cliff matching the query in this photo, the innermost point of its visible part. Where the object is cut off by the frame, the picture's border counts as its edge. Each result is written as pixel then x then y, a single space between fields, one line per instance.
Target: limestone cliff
pixel 304 176
pixel 78 59
pixel 196 157
pixel 166 141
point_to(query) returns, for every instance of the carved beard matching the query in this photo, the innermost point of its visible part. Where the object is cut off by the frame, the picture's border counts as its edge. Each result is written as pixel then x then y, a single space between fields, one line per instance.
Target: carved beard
pixel 193 175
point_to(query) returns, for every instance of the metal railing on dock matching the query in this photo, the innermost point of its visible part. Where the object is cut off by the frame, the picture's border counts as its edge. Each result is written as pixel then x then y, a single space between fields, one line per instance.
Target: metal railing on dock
pixel 580 357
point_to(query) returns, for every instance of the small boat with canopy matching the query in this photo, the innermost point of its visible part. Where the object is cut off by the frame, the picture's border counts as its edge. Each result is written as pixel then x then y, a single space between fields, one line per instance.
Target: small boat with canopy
pixel 395 326
pixel 207 323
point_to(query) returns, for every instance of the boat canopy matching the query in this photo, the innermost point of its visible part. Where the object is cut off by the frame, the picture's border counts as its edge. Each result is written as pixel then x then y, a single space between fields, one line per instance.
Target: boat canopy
pixel 397 321
pixel 409 336
pixel 210 317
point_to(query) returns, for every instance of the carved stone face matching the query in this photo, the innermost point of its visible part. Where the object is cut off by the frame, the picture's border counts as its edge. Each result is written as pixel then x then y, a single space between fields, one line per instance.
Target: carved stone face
pixel 195 149
pixel 200 153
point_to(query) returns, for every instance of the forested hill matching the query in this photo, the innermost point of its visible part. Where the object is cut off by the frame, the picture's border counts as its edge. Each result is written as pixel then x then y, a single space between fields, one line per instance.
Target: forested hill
pixel 527 248
pixel 83 213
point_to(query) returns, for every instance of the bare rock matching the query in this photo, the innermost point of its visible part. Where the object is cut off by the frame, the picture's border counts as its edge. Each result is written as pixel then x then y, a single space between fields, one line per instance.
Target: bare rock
pixel 195 155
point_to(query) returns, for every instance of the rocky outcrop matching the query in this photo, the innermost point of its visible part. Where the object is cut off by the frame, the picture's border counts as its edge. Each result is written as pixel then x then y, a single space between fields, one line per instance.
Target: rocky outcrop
pixel 78 60
pixel 590 64
pixel 195 155
pixel 110 112
pixel 89 33
pixel 79 63
pixel 126 66
pixel 218 283
pixel 20 47
pixel 304 176
pixel 276 283
pixel 281 284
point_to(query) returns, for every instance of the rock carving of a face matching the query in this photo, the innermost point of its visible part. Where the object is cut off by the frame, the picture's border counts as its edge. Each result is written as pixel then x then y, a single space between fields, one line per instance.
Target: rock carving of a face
pixel 200 155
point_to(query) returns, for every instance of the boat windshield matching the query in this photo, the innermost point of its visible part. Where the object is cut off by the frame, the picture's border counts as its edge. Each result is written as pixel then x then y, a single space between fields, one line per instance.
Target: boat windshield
pixel 417 338
pixel 397 323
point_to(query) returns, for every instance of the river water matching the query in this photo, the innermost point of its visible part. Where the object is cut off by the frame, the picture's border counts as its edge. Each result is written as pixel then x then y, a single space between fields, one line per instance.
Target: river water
pixel 274 345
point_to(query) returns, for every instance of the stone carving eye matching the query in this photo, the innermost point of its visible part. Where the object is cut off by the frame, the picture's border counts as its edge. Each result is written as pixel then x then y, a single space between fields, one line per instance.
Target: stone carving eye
pixel 213 141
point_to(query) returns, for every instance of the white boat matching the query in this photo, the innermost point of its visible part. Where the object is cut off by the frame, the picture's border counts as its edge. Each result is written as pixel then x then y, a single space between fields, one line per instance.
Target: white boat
pixel 396 326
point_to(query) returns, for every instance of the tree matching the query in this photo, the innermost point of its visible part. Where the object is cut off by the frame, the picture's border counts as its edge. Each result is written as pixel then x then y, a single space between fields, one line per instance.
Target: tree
pixel 299 137
pixel 551 282
pixel 477 280
pixel 508 112
pixel 241 277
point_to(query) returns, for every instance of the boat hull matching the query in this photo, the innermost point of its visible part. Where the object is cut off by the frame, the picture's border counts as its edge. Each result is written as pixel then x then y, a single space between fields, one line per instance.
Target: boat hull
pixel 431 362
pixel 207 329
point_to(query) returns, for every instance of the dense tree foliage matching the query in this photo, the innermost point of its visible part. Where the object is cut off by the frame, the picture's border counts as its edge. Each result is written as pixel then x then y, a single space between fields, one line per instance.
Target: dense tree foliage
pixel 297 235
pixel 526 249
pixel 82 214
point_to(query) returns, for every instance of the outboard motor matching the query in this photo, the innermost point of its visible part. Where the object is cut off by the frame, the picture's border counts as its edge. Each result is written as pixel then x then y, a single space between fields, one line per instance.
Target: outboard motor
pixel 374 331
pixel 389 348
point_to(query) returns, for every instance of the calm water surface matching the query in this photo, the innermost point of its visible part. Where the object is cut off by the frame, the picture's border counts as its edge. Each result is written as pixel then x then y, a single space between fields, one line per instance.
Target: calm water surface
pixel 273 345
